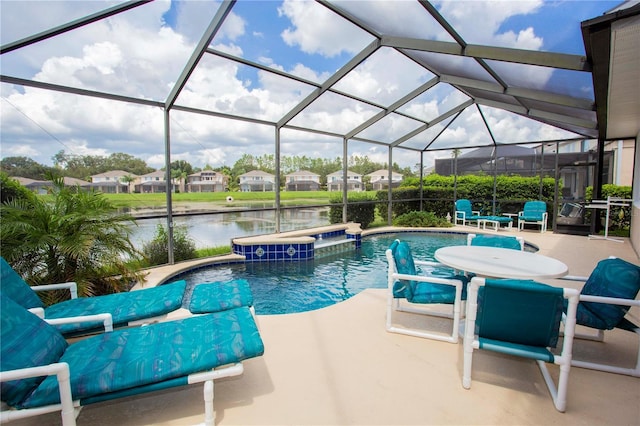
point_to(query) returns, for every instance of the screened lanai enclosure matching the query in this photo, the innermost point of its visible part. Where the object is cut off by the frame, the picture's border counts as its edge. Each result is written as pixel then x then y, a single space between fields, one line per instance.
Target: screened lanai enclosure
pixel 447 86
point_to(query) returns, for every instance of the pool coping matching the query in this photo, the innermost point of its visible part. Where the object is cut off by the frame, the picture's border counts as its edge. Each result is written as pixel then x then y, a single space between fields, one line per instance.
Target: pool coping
pixel 163 274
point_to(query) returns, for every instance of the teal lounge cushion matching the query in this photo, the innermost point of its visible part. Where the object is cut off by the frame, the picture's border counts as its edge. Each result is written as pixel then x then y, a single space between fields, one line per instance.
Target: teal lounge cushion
pixel 26 341
pixel 143 358
pixel 611 278
pixel 219 296
pixel 464 206
pixel 500 219
pixel 14 287
pixel 124 307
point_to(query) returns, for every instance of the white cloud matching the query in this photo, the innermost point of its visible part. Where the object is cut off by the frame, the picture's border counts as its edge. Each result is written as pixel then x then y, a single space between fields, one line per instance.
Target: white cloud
pixel 479 22
pixel 318 31
pixel 137 54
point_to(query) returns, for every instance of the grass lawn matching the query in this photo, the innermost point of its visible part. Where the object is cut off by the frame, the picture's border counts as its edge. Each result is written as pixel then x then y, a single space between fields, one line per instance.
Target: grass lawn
pixel 154 200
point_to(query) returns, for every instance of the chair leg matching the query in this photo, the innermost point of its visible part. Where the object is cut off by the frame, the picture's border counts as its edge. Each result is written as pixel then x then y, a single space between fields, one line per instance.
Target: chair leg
pixel 468 341
pixel 634 372
pixel 209 413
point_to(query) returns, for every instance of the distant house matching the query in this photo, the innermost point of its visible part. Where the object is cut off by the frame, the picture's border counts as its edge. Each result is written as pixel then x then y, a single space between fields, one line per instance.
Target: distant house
pixel 112 182
pixel 335 181
pixel 153 182
pixel 207 181
pixel 257 181
pixel 380 179
pixel 44 186
pixel 302 180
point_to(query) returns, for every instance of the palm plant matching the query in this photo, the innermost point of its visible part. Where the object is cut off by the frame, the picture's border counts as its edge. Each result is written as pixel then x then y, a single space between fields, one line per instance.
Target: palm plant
pixel 70 236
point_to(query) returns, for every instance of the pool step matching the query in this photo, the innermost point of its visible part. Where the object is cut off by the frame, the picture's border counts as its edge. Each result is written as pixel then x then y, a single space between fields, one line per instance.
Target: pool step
pixel 323 247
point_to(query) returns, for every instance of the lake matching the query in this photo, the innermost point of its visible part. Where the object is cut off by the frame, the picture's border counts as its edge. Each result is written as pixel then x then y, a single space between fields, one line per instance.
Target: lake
pixel 214 230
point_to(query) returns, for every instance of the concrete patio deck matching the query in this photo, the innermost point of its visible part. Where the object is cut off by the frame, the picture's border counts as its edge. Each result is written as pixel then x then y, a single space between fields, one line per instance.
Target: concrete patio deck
pixel 338 366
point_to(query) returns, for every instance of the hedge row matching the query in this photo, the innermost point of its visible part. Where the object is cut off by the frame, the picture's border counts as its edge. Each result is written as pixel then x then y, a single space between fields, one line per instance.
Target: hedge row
pixel 438 197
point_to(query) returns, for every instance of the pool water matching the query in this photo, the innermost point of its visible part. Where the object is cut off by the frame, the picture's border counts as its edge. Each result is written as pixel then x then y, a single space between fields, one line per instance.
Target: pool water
pixel 289 287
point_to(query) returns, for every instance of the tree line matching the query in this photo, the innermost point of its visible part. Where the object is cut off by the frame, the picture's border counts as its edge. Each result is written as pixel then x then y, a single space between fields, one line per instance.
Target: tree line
pixel 84 166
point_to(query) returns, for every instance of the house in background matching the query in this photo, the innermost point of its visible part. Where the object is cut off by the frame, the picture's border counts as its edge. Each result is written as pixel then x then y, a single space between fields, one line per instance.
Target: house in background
pixel 380 179
pixel 42 187
pixel 153 182
pixel 335 181
pixel 257 181
pixel 302 180
pixel 207 181
pixel 112 182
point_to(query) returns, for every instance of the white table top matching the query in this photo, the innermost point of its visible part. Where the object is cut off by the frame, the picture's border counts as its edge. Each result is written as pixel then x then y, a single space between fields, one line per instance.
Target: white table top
pixel 500 262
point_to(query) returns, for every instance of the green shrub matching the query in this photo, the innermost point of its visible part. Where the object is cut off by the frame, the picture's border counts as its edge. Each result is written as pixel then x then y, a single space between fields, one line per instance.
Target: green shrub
pixel 360 209
pixel 418 219
pixel 619 217
pixel 157 250
pixel 69 235
pixel 11 189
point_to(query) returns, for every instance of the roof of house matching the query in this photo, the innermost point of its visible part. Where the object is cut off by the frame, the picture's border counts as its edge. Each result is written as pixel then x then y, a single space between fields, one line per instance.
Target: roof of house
pixel 302 173
pixel 114 173
pixel 339 173
pixel 256 173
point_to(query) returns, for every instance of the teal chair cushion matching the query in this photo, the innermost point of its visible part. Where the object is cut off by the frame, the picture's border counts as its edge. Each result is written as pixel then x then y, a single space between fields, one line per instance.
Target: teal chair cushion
pixel 521 312
pixel 611 278
pixel 533 210
pixel 405 265
pixel 124 307
pixel 219 296
pixel 496 241
pixel 14 287
pixel 433 293
pixel 136 360
pixel 415 291
pixel 464 205
pixel 26 341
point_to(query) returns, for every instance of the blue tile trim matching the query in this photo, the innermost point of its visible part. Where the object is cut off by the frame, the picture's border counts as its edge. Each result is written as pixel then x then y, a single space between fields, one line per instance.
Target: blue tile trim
pixel 300 252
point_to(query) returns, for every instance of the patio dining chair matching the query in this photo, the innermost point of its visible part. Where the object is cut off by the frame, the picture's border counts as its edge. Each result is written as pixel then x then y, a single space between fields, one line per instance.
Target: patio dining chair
pixel 521 318
pixel 464 213
pixel 502 241
pixel 533 212
pixel 409 291
pixel 108 311
pixel 605 299
pixel 40 372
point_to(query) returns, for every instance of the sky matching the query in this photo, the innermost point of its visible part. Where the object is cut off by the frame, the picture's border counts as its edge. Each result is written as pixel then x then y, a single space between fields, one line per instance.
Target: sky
pixel 141 53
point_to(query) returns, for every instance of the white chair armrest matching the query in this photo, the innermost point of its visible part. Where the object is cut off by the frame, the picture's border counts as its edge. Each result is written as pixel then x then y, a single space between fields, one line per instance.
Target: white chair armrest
pixel 520 213
pixel 39 312
pixel 434 280
pixel 609 300
pixel 106 319
pixel 71 286
pixel 476 212
pixel 574 278
pixel 428 263
pixel 61 371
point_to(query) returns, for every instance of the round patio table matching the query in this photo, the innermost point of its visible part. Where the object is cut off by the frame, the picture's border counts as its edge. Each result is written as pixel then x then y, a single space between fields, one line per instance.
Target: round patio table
pixel 501 263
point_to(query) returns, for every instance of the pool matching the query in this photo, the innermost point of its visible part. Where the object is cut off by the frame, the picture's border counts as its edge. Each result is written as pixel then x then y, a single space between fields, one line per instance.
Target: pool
pixel 289 287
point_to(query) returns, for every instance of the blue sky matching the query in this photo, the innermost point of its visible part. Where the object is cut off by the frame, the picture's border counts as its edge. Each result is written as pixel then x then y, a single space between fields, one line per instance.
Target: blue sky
pixel 142 52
